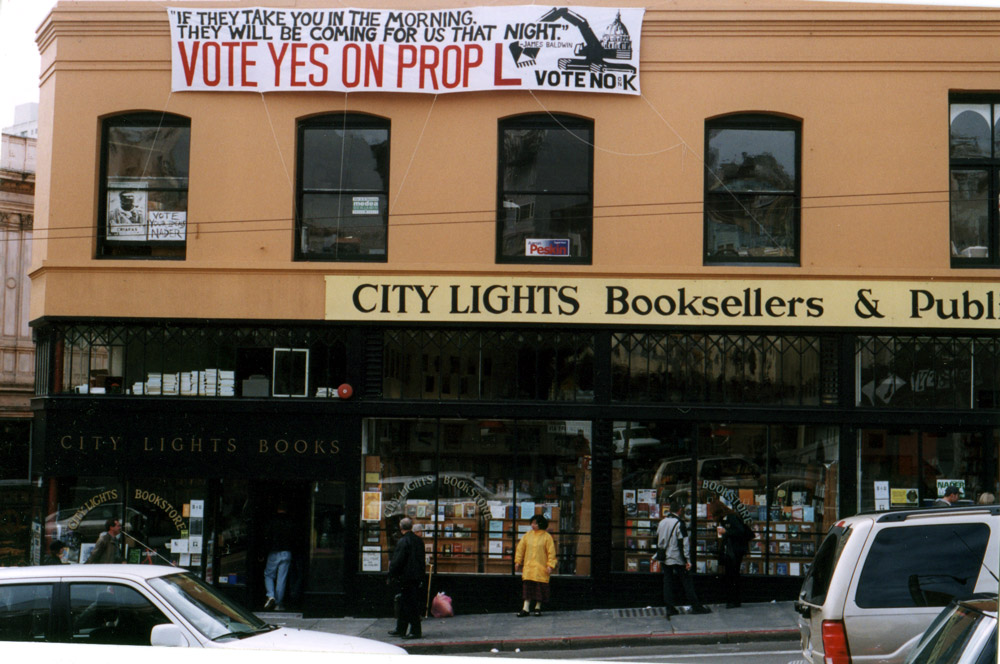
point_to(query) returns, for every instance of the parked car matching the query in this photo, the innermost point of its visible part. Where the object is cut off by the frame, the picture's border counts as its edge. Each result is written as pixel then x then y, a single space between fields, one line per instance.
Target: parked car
pixel 636 438
pixel 964 633
pixel 144 605
pixel 879 579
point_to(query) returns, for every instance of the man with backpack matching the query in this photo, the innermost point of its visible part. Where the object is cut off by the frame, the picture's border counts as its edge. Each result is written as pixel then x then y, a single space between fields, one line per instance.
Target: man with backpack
pixel 672 552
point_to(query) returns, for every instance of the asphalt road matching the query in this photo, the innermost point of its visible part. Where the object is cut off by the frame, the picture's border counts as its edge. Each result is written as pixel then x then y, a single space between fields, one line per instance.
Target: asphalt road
pixel 781 652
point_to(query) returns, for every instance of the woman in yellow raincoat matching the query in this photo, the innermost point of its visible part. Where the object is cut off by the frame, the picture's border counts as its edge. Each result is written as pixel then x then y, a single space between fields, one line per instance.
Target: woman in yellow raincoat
pixel 536 555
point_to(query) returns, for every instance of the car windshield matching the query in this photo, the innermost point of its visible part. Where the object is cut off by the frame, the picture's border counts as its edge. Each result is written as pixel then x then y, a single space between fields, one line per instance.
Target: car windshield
pixel 209 612
pixel 946 638
pixel 636 432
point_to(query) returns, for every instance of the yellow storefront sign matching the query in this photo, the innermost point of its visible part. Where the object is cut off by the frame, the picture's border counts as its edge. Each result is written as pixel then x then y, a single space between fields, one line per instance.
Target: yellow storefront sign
pixel 675 302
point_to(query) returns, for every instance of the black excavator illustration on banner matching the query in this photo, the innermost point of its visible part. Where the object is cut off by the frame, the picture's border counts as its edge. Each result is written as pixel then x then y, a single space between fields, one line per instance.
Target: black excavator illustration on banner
pixel 593 54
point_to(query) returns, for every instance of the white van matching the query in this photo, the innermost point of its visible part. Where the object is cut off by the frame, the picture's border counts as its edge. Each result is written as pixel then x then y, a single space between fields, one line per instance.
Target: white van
pixel 879 579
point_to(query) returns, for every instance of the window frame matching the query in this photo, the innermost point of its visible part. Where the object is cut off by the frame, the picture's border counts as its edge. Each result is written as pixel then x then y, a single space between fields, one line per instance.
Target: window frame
pixel 104 247
pixel 755 121
pixel 547 121
pixel 989 164
pixel 344 121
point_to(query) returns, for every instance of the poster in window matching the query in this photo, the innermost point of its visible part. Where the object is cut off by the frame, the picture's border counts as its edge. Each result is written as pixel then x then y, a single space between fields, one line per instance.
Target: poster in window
pixel 372 505
pixel 127 215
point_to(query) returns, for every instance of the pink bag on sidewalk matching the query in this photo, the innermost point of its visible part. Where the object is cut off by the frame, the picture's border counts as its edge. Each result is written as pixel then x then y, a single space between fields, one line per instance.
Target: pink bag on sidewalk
pixel 441 606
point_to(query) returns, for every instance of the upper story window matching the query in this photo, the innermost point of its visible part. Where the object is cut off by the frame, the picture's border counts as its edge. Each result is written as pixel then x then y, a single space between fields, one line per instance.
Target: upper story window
pixel 752 189
pixel 142 212
pixel 545 195
pixel 974 153
pixel 343 188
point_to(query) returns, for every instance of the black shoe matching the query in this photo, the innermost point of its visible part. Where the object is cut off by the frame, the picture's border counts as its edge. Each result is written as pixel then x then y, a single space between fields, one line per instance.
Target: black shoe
pixel 733 605
pixel 414 636
pixel 701 609
pixel 521 614
pixel 395 632
pixel 537 613
pixel 671 611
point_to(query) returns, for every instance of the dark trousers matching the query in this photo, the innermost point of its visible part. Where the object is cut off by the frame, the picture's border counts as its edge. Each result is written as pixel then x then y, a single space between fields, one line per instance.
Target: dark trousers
pixel 731 578
pixel 409 608
pixel 671 575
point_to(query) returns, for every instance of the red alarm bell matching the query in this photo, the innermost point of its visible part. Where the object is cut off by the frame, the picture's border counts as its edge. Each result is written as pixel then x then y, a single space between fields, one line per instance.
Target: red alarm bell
pixel 345 391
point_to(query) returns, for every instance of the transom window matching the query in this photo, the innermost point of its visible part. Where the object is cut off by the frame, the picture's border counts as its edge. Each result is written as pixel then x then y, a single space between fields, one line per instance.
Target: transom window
pixel 343 188
pixel 142 211
pixel 974 153
pixel 545 190
pixel 752 189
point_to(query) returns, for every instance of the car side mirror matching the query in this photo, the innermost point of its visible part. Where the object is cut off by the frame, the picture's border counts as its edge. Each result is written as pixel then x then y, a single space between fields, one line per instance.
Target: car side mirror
pixel 169 635
pixel 803 609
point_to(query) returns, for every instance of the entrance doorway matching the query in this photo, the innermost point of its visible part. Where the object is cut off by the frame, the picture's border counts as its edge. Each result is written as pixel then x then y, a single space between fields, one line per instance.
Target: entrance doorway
pixel 280 521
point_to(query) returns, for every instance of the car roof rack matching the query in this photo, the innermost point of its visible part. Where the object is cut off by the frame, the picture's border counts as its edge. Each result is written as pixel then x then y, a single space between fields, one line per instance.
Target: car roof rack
pixel 889 517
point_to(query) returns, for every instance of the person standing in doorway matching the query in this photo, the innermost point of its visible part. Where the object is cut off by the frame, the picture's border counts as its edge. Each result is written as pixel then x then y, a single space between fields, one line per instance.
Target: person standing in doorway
pixel 536 556
pixel 107 550
pixel 278 538
pixel 734 540
pixel 672 552
pixel 406 572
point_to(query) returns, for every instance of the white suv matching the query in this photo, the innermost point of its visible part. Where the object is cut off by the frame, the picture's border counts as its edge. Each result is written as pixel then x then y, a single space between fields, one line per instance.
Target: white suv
pixel 879 579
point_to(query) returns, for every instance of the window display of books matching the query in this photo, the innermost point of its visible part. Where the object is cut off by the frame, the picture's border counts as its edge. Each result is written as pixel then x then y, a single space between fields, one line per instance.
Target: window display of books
pixel 203 383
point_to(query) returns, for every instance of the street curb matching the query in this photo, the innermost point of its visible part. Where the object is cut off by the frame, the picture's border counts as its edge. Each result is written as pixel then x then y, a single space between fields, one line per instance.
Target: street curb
pixel 604 640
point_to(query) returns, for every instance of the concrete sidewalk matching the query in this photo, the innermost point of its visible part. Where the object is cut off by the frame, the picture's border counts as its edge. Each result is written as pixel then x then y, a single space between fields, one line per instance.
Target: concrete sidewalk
pixel 481 633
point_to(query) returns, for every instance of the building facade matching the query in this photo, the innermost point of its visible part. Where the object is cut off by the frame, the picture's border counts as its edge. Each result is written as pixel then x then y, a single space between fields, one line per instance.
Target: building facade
pixel 468 267
pixel 17 351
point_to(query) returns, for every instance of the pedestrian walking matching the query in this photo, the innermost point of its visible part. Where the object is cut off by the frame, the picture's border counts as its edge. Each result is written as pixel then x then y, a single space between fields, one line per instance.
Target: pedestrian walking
pixel 108 550
pixel 672 546
pixel 734 540
pixel 406 571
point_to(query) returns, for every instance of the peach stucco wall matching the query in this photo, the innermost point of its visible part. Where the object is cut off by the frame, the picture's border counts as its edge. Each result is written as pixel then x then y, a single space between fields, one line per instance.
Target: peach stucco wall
pixel 869 83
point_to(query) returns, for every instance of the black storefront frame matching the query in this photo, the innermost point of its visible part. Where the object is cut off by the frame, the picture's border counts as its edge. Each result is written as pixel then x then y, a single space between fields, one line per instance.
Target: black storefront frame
pixel 603 587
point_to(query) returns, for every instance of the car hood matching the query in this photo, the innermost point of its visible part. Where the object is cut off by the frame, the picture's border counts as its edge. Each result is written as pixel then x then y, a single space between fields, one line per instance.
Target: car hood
pixel 309 640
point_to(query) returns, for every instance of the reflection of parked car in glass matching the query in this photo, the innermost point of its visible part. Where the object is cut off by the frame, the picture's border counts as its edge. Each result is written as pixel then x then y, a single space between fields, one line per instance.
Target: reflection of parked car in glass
pixel 879 579
pixel 637 439
pixel 731 471
pixel 75 527
pixel 145 605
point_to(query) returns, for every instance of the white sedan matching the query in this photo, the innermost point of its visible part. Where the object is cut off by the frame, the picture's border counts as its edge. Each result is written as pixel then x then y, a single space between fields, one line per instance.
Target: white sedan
pixel 145 605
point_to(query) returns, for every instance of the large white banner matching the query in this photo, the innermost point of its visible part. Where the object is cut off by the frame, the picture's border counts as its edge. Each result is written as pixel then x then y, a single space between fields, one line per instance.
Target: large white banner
pixel 528 47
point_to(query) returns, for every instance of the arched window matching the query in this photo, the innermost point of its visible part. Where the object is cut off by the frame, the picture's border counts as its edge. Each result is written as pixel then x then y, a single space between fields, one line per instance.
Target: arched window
pixel 752 189
pixel 545 199
pixel 974 153
pixel 343 188
pixel 142 211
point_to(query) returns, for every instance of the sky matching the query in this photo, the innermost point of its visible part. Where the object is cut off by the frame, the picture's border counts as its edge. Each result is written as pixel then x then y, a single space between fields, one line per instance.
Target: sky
pixel 20 64
pixel 18 53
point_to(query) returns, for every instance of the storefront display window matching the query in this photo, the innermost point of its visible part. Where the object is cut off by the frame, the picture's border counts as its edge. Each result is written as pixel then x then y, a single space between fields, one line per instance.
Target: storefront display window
pixel 163 520
pixel 928 372
pixel 699 368
pixel 471 487
pixel 781 480
pixel 195 361
pixel 911 468
pixel 488 364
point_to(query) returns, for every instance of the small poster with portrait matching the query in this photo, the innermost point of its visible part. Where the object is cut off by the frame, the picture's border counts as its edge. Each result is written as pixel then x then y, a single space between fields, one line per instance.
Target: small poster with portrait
pixel 127 215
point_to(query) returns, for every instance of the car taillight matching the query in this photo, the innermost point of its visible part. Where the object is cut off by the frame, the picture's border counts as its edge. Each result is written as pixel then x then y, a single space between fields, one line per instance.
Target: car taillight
pixel 835 649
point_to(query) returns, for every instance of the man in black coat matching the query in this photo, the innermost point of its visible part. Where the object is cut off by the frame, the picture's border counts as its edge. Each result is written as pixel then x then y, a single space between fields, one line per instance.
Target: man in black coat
pixel 406 572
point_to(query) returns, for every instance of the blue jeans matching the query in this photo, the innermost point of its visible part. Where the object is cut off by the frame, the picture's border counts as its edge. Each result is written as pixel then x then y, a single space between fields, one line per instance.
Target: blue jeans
pixel 276 575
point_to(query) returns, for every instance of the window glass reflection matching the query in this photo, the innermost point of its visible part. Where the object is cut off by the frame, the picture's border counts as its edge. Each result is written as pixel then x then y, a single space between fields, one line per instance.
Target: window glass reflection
pixel 471 487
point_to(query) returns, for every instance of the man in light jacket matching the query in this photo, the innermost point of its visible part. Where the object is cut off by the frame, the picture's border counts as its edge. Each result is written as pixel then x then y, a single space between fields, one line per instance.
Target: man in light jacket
pixel 672 552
